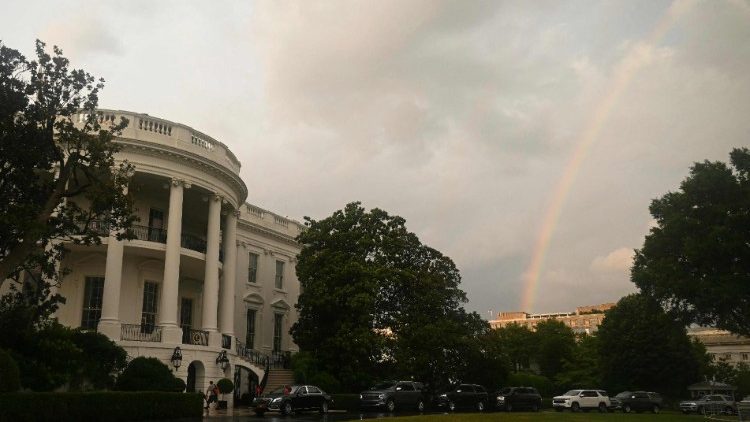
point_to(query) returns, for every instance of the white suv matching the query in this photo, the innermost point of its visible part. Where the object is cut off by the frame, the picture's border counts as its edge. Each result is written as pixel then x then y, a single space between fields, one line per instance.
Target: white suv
pixel 576 400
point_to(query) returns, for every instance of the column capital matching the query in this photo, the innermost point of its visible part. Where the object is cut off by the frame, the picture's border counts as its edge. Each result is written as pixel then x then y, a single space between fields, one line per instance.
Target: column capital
pixel 180 182
pixel 236 213
pixel 241 243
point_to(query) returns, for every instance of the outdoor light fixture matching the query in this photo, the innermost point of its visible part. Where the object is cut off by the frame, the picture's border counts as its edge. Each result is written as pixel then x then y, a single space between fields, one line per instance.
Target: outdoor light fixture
pixel 176 358
pixel 222 360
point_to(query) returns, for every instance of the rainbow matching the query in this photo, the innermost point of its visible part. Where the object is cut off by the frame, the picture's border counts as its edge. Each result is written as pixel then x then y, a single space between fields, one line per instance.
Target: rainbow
pixel 634 59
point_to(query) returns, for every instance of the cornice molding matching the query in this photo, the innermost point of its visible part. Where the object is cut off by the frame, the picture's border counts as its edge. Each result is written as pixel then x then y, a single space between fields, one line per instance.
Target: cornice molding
pixel 182 156
pixel 267 232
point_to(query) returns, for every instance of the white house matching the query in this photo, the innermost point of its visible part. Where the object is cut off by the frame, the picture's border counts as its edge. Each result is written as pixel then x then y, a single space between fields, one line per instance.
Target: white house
pixel 208 272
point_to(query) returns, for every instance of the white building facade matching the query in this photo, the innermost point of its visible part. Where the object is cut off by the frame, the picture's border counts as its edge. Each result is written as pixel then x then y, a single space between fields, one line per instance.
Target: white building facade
pixel 207 272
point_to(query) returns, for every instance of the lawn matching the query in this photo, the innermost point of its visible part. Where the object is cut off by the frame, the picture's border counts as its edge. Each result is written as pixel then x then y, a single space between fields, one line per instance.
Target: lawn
pixel 555 417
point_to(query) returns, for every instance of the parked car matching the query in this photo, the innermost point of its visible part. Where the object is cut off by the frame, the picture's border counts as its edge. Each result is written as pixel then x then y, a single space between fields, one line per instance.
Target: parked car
pixel 392 395
pixel 517 398
pixel 463 396
pixel 639 401
pixel 709 404
pixel 290 399
pixel 576 400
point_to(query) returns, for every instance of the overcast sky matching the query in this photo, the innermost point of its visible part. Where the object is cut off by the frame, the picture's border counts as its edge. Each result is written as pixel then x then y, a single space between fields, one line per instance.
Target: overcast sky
pixel 475 121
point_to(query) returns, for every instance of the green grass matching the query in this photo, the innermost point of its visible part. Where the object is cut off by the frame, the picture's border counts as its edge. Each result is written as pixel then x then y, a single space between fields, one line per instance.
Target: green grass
pixel 553 417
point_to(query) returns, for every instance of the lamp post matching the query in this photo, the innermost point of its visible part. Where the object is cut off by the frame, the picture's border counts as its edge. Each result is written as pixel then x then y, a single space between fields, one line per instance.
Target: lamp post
pixel 176 358
pixel 222 360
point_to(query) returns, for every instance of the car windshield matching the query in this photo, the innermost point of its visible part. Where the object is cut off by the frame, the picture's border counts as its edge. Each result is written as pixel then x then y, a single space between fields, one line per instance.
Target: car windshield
pixel 623 395
pixel 572 393
pixel 505 390
pixel 383 385
pixel 290 390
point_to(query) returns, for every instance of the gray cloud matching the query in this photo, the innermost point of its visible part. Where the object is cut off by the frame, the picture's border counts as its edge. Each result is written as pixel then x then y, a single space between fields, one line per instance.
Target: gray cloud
pixel 461 117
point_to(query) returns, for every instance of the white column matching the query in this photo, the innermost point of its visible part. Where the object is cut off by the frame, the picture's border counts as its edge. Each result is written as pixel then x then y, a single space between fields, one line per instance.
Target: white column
pixel 171 331
pixel 110 324
pixel 211 278
pixel 228 280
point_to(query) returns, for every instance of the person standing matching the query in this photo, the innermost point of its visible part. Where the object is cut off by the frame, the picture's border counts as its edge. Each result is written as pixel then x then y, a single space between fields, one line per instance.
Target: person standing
pixel 212 394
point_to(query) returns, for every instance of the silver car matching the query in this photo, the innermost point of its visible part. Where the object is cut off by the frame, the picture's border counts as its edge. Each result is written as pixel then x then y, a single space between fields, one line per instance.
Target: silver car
pixel 710 404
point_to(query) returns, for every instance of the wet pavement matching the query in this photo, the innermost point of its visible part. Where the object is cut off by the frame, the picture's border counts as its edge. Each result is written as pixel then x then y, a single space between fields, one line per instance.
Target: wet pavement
pixel 245 414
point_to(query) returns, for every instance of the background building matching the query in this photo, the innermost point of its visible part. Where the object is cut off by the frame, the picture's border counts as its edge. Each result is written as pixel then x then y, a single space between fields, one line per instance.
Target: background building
pixel 585 319
pixel 722 345
pixel 207 272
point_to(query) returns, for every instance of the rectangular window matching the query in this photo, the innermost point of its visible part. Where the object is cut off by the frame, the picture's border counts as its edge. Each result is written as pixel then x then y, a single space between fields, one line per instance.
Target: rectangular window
pixel 92 302
pixel 250 335
pixel 148 311
pixel 252 268
pixel 744 356
pixel 277 321
pixel 279 274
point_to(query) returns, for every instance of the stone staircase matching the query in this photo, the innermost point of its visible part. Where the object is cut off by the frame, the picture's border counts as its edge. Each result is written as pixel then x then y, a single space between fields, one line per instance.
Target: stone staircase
pixel 278 378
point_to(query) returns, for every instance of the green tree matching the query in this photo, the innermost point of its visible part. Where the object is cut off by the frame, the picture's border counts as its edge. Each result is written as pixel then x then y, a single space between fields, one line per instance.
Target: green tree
pixel 519 344
pixel 696 260
pixel 59 181
pixel 641 347
pixel 376 300
pixel 555 344
pixel 581 370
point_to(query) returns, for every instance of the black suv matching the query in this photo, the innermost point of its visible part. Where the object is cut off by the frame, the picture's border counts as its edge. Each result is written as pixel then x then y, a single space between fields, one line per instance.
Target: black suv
pixel 516 398
pixel 639 401
pixel 465 396
pixel 393 395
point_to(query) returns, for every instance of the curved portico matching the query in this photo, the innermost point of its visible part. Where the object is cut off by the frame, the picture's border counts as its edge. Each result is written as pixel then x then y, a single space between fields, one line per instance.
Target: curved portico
pixel 200 264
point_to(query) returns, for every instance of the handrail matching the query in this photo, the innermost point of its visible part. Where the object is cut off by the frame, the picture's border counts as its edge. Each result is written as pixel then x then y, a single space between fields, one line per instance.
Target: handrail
pixel 138 332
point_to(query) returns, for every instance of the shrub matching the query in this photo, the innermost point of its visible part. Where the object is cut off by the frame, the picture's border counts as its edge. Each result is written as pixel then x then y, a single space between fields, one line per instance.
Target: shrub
pixel 99 406
pixel 225 385
pixel 146 374
pixel 9 373
pixel 98 373
pixel 179 385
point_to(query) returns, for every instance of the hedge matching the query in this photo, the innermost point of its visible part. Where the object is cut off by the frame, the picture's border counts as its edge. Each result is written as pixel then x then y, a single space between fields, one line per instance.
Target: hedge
pixel 99 406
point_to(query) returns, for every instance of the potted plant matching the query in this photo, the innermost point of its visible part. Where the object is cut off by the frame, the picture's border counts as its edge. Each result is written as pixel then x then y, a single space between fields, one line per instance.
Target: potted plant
pixel 225 386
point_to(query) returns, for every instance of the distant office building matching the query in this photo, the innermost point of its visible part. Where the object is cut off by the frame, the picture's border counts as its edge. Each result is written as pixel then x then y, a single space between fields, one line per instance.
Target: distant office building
pixel 585 319
pixel 722 345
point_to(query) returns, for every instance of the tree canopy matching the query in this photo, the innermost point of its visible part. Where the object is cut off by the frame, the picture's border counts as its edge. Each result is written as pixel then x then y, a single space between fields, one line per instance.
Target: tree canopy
pixel 59 181
pixel 696 260
pixel 376 302
pixel 641 347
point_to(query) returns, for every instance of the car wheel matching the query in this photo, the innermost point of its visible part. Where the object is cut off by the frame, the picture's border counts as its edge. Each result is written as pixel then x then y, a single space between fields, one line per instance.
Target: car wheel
pixel 420 406
pixel 534 407
pixel 626 408
pixel 655 409
pixel 602 408
pixel 324 407
pixel 390 405
pixel 702 411
pixel 286 408
pixel 480 406
pixel 451 405
pixel 728 410
pixel 575 407
pixel 509 407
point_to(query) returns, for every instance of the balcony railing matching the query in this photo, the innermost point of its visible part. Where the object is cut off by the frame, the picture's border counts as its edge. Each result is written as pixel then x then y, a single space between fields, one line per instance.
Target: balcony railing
pixel 137 332
pixel 151 234
pixel 196 337
pixel 254 356
pixel 99 227
pixel 193 242
pixel 187 240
